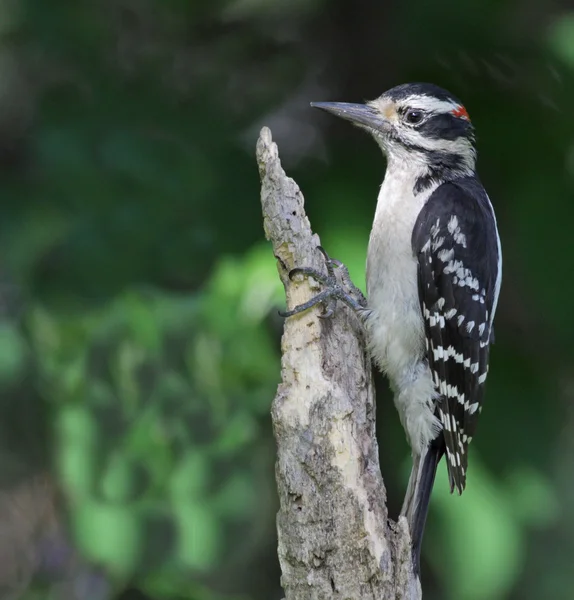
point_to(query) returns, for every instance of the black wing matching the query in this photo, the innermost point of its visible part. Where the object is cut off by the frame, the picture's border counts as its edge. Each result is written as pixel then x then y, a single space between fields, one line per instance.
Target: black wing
pixel 456 243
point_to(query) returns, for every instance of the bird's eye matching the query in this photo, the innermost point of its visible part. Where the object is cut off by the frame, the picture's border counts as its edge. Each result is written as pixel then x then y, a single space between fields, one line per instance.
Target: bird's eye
pixel 414 116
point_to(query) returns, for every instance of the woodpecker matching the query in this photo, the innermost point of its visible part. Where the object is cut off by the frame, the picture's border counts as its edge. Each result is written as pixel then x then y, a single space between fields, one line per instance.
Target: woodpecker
pixel 434 268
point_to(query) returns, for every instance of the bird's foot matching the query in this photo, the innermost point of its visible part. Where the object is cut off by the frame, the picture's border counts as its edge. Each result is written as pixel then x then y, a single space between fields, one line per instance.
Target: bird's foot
pixel 334 290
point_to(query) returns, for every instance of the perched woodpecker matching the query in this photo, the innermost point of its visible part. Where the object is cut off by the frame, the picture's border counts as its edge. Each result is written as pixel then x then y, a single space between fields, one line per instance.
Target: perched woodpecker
pixel 434 268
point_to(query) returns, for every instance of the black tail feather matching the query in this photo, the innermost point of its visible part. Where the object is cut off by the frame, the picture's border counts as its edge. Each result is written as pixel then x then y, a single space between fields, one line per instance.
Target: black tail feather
pixel 422 499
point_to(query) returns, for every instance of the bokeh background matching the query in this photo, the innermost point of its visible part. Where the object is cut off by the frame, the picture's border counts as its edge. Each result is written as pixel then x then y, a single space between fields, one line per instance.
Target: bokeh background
pixel 139 336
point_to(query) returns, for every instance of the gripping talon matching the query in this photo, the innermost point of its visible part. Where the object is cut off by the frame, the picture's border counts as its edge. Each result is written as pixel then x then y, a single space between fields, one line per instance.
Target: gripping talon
pixel 321 297
pixel 329 262
pixel 329 310
pixel 294 272
pixel 309 272
pixel 334 291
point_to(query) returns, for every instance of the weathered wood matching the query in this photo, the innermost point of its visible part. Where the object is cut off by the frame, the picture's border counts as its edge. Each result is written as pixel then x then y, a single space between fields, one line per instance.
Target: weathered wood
pixel 335 539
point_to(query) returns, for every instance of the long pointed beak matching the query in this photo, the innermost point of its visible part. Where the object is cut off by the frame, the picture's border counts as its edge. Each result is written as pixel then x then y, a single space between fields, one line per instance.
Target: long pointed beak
pixel 360 114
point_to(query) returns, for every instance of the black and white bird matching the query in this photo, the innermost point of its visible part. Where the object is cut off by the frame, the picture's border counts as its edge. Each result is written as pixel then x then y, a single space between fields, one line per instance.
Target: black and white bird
pixel 434 268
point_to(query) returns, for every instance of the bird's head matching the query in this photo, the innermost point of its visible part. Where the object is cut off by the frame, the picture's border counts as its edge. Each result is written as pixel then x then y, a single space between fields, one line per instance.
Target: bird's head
pixel 416 123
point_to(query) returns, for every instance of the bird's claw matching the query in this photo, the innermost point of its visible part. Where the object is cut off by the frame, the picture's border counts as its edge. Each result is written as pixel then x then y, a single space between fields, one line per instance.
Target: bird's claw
pixel 309 272
pixel 329 308
pixel 330 263
pixel 334 290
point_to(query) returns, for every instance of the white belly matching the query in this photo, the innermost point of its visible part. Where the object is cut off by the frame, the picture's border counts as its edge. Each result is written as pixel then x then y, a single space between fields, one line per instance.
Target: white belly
pixel 395 324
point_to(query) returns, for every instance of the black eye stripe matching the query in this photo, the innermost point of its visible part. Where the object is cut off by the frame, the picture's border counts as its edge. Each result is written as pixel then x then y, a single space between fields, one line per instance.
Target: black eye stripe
pixel 446 126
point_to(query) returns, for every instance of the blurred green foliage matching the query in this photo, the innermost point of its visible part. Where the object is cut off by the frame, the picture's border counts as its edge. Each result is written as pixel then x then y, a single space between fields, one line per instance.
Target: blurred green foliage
pixel 139 342
pixel 159 401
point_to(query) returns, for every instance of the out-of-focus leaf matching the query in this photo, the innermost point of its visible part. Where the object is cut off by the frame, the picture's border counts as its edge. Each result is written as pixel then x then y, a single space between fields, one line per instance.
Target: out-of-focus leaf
pixel 13 352
pixel 45 334
pixel 239 430
pixel 144 327
pixel 99 394
pixel 73 377
pixel 117 483
pixel 249 358
pixel 236 498
pixel 39 232
pixel 129 358
pixel 204 360
pixel 76 450
pixel 533 497
pixel 171 385
pixel 242 291
pixel 189 478
pixel 480 549
pixel 199 534
pixel 109 535
pixel 168 583
pixel 561 38
pixel 148 441
pixel 262 289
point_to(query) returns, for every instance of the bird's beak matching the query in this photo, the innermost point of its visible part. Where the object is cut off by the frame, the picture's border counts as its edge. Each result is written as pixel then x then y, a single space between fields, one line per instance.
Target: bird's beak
pixel 362 115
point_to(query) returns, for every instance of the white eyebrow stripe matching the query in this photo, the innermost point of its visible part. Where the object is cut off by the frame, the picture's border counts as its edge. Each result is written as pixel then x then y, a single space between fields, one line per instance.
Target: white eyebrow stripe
pixel 429 104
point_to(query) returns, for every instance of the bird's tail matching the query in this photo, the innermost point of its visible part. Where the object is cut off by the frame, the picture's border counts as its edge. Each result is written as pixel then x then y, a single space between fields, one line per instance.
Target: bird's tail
pixel 417 499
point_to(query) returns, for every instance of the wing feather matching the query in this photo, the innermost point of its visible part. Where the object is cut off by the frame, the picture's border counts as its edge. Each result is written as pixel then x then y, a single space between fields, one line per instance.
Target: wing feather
pixel 456 244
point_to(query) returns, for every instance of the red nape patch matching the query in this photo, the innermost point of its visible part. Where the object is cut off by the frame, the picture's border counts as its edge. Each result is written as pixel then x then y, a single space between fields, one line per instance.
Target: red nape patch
pixel 461 113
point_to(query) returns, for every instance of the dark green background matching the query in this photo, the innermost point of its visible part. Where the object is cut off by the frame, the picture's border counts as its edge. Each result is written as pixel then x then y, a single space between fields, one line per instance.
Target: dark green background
pixel 139 340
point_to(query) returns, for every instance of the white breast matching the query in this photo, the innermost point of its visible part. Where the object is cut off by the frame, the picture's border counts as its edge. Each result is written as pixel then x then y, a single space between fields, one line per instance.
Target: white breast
pixel 396 325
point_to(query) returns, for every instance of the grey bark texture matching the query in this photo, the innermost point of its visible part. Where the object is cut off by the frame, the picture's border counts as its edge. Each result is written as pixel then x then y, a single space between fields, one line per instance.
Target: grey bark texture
pixel 335 539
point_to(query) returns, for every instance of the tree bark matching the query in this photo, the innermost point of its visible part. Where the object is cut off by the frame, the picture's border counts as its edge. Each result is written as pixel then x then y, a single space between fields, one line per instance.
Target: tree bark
pixel 335 538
